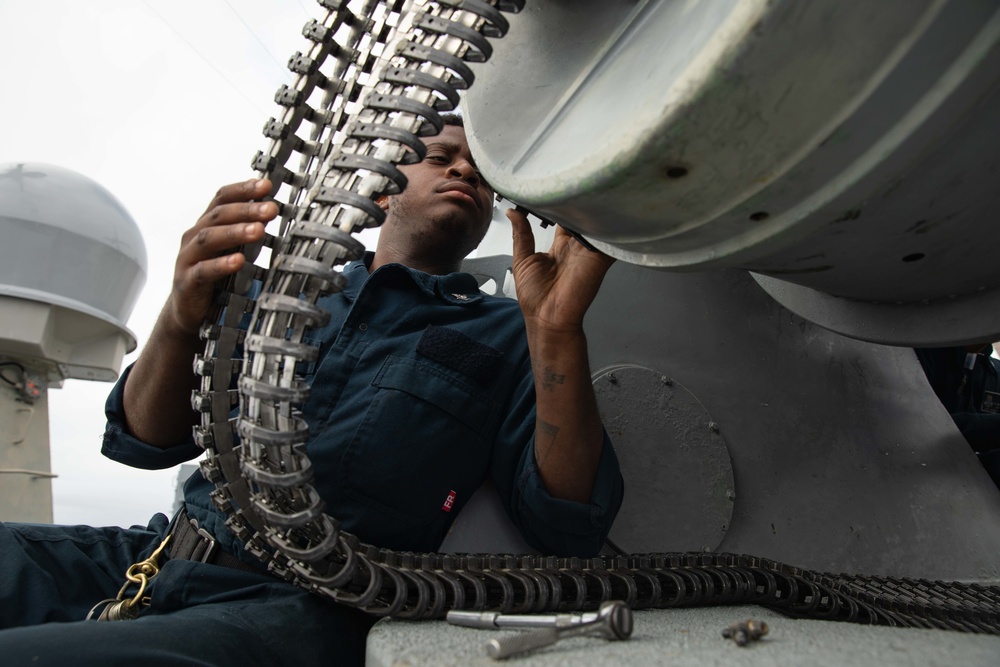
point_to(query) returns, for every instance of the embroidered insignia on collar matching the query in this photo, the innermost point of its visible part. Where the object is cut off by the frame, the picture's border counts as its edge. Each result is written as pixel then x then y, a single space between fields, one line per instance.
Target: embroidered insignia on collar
pixel 461 297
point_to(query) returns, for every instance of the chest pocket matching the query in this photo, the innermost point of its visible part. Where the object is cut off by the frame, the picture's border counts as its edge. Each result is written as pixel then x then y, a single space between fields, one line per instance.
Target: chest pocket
pixel 991 402
pixel 427 432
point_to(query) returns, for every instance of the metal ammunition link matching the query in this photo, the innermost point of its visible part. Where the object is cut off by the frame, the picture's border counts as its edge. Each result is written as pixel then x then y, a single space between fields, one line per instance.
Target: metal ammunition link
pixel 372 81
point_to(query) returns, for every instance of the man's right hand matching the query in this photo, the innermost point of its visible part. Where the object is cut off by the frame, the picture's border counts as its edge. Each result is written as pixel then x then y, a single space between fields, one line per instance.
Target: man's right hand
pixel 158 389
pixel 208 251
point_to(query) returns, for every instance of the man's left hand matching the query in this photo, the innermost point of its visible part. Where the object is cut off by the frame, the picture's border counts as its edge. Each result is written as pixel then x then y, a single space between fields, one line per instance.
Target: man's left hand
pixel 556 288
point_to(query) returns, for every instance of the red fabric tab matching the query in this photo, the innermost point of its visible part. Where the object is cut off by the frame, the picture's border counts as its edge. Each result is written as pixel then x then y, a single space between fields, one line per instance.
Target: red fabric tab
pixel 449 501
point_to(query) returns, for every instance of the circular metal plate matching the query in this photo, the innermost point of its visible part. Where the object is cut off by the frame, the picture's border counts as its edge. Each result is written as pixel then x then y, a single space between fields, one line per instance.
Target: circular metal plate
pixel 679 488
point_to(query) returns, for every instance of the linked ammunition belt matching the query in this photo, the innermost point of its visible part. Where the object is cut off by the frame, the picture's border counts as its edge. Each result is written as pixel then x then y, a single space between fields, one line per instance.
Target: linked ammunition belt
pixel 374 78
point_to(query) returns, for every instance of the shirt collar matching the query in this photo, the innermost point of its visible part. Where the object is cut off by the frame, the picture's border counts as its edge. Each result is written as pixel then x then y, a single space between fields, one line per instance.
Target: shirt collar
pixel 456 288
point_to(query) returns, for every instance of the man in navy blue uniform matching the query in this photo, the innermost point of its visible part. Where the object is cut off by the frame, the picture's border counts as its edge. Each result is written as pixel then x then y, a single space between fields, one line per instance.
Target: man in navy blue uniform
pixel 967 380
pixel 423 387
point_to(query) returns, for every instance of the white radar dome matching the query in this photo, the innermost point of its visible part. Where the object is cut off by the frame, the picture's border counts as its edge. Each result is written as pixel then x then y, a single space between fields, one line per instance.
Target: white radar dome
pixel 72 265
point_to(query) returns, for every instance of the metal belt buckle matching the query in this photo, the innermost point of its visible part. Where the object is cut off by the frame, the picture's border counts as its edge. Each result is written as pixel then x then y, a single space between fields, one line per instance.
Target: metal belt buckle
pixel 210 544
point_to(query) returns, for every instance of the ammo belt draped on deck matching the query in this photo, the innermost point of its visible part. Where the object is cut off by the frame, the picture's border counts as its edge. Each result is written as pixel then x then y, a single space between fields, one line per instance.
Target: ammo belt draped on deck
pixel 373 80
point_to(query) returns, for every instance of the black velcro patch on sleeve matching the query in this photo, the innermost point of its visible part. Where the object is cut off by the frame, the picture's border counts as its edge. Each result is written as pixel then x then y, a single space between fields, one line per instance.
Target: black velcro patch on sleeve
pixel 460 353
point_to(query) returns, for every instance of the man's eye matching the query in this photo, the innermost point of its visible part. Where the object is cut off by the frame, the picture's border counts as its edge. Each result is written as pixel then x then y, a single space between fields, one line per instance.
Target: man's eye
pixel 436 157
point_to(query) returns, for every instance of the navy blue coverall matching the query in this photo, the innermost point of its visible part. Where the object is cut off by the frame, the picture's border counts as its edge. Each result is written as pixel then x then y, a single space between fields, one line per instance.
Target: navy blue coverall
pixel 971 396
pixel 422 387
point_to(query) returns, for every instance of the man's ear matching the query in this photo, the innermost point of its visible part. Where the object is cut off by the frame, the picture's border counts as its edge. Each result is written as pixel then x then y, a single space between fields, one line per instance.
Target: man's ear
pixel 382 202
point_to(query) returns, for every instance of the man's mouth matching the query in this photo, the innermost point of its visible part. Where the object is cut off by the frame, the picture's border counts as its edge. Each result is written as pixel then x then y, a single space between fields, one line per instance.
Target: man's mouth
pixel 462 191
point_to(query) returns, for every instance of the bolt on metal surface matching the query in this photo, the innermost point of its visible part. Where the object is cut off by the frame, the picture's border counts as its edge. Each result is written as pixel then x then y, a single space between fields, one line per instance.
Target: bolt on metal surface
pixel 613 621
pixel 745 632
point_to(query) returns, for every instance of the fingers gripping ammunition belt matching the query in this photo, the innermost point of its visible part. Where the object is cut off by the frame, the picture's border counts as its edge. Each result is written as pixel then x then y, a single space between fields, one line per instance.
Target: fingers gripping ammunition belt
pixel 374 79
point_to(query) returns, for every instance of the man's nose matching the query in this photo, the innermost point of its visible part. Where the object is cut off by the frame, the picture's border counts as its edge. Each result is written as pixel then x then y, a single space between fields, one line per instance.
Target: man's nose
pixel 463 169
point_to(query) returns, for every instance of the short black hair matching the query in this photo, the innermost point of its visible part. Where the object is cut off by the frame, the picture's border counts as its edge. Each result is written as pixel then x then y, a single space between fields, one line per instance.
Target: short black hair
pixel 453 119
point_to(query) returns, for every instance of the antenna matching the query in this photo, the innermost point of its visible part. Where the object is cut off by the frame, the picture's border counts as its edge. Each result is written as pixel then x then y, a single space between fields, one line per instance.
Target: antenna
pixel 72 264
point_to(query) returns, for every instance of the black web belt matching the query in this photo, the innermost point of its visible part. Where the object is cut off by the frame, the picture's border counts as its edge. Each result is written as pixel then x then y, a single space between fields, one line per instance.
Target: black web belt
pixel 188 541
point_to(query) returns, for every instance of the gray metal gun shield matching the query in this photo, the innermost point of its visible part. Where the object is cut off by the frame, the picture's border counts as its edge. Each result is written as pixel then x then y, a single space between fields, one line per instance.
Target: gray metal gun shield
pixel 848 150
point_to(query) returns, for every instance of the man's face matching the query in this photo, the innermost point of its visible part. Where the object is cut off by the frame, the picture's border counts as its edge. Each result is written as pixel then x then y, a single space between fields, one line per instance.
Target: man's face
pixel 446 201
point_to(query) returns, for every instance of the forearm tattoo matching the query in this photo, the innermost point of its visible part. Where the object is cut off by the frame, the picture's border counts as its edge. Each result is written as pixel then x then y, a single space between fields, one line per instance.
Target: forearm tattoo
pixel 549 378
pixel 545 437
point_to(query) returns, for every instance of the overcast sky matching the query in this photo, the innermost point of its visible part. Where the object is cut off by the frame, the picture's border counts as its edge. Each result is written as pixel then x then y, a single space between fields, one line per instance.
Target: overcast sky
pixel 161 102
